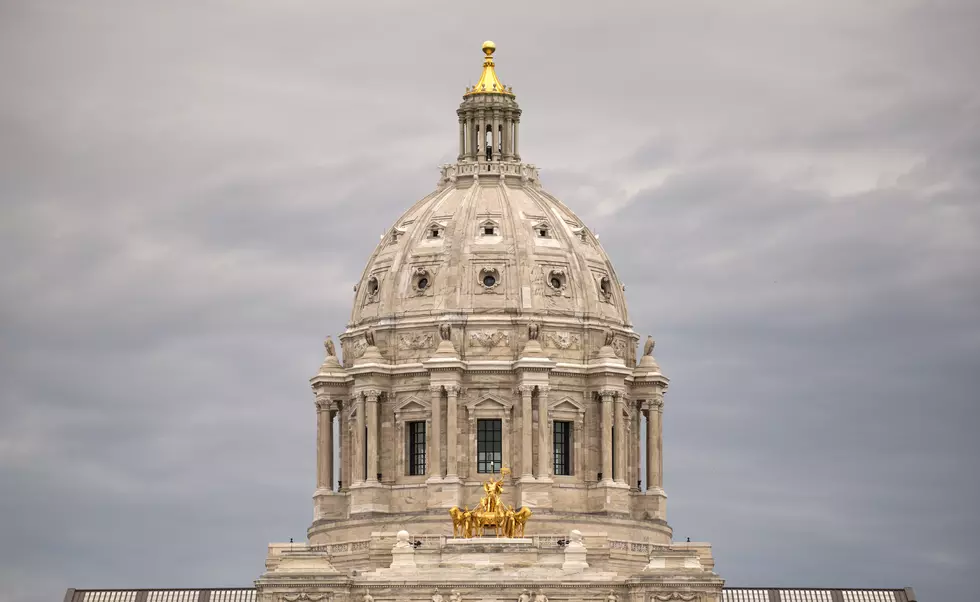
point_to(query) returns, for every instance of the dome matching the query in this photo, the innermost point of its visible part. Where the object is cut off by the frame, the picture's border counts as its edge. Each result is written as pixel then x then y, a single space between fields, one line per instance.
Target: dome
pixel 489 245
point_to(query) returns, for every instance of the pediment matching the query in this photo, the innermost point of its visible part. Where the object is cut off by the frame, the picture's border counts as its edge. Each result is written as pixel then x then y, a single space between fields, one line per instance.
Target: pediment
pixel 489 402
pixel 566 404
pixel 412 404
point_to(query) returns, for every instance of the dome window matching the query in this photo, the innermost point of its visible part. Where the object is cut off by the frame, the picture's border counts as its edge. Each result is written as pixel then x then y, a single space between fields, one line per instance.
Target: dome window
pixel 435 231
pixel 489 278
pixel 489 228
pixel 421 281
pixel 605 287
pixel 542 230
pixel 373 286
pixel 557 280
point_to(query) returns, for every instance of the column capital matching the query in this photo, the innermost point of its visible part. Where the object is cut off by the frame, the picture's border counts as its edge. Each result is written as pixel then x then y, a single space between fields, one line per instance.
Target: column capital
pixel 452 390
pixel 543 389
pixel 435 389
pixel 607 393
pixel 525 389
pixel 371 393
pixel 325 404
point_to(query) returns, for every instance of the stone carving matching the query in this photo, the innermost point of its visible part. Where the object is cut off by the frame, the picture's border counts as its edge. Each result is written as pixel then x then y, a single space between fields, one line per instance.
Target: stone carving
pixel 369 598
pixel 533 330
pixel 524 597
pixel 437 597
pixel 675 596
pixel 455 597
pixel 489 279
pixel 489 340
pixel 611 597
pixel 575 538
pixel 356 348
pixel 619 346
pixel 540 597
pixel 416 341
pixel 369 338
pixel 421 281
pixel 608 336
pixel 303 596
pixel 562 340
pixel 445 331
pixel 401 540
pixel 648 346
pixel 328 345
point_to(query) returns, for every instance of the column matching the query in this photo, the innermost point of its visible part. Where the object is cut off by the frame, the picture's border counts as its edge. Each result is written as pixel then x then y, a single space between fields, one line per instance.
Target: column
pixel 508 155
pixel 526 452
pixel 517 129
pixel 653 460
pixel 481 137
pixel 372 435
pixel 358 440
pixel 324 445
pixel 619 471
pixel 462 138
pixel 470 137
pixel 545 445
pixel 435 447
pixel 607 431
pixel 452 427
pixel 496 136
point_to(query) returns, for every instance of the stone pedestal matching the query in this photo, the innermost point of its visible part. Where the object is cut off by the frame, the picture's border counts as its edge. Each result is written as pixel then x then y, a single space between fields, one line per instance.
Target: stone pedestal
pixel 575 553
pixel 489 552
pixel 329 505
pixel 443 493
pixel 609 496
pixel 534 493
pixel 369 497
pixel 649 505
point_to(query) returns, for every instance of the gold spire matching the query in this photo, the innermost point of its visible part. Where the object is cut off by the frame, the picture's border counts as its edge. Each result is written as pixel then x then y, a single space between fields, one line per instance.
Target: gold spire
pixel 488 84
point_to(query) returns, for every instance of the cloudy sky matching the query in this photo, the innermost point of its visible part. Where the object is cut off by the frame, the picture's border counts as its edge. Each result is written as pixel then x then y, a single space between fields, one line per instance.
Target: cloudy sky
pixel 190 189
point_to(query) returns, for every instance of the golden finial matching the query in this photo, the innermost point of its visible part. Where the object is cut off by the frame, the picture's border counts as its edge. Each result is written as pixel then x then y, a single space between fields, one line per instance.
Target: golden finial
pixel 489 84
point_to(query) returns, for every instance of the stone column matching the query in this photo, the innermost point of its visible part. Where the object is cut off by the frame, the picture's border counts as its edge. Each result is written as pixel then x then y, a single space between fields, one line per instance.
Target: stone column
pixel 496 136
pixel 653 445
pixel 470 135
pixel 619 471
pixel 371 396
pixel 462 138
pixel 544 443
pixel 517 129
pixel 607 433
pixel 324 444
pixel 579 464
pixel 358 454
pixel 526 451
pixel 436 445
pixel 481 137
pixel 452 427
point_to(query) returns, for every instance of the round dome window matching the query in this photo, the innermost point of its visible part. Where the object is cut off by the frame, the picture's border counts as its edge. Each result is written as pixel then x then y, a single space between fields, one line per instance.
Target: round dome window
pixel 555 282
pixel 489 280
pixel 423 283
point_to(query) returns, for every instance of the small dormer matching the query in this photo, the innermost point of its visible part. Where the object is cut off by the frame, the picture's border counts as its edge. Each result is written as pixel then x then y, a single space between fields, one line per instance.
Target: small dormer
pixel 435 231
pixel 488 227
pixel 542 230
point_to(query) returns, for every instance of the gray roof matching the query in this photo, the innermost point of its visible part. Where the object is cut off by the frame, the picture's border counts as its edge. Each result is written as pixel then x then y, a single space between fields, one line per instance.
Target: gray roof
pixel 730 594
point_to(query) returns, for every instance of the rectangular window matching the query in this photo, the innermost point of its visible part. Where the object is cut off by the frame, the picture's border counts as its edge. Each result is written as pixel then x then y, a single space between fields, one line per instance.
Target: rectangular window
pixel 563 447
pixel 489 457
pixel 416 448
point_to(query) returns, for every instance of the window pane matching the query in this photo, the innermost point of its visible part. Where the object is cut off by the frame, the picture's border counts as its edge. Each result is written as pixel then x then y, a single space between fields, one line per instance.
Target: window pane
pixel 488 446
pixel 416 448
pixel 563 447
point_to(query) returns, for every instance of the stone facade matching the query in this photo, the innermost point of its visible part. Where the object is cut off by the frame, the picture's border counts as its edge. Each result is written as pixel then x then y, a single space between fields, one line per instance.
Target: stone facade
pixel 489 330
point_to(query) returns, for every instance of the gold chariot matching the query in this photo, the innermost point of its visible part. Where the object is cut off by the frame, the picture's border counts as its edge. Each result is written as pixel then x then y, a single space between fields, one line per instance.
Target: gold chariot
pixel 505 521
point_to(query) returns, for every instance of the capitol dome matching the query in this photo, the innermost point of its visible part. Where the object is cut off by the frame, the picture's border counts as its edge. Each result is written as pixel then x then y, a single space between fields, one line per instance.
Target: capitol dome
pixel 489 339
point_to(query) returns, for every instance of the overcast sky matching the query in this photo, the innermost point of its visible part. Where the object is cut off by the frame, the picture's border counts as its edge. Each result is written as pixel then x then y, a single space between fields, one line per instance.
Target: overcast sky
pixel 190 189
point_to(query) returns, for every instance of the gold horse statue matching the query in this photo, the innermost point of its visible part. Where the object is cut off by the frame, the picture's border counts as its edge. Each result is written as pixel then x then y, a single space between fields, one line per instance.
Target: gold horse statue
pixel 491 512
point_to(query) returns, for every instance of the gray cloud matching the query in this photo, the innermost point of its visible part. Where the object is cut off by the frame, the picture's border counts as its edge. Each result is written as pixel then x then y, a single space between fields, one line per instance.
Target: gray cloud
pixel 189 193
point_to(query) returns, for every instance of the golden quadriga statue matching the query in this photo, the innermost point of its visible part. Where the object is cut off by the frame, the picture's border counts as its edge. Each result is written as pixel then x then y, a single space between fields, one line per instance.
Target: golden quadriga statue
pixel 506 522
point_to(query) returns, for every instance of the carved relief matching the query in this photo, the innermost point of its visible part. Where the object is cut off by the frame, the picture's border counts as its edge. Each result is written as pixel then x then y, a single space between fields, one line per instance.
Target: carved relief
pixel 620 347
pixel 562 340
pixel 675 596
pixel 415 341
pixel 489 340
pixel 303 596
